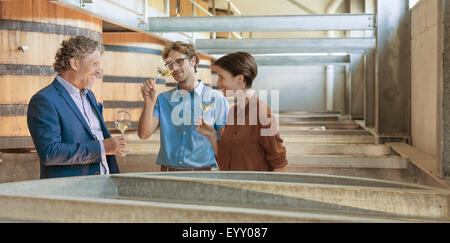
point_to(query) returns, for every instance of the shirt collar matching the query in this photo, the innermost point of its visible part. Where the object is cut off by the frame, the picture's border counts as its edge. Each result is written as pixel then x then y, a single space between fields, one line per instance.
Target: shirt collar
pixel 69 87
pixel 198 89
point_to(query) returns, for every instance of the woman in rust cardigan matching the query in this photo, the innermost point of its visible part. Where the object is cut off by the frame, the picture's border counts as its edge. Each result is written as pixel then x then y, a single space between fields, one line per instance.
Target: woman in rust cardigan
pixel 250 140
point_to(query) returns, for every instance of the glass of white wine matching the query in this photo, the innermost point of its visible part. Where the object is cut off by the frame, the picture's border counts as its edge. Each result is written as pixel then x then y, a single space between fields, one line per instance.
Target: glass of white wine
pixel 206 106
pixel 207 103
pixel 122 123
pixel 163 71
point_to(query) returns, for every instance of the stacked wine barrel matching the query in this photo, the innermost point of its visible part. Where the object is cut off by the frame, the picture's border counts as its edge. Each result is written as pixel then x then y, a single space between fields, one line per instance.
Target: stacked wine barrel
pixel 129 60
pixel 31 31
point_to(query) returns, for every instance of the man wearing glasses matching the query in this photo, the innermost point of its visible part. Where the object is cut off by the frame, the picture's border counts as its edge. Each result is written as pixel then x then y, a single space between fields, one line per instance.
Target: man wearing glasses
pixel 175 112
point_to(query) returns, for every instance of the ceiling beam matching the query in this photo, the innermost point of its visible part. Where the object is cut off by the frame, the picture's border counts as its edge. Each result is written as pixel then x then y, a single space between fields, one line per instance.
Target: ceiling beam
pixel 262 23
pixel 288 45
pixel 301 60
pixel 121 15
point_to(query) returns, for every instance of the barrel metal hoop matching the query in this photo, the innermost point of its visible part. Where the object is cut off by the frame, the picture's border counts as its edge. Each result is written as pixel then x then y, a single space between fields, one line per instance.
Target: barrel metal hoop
pixel 13 109
pixel 29 26
pixel 133 49
pixel 25 69
pixel 123 104
pixel 123 79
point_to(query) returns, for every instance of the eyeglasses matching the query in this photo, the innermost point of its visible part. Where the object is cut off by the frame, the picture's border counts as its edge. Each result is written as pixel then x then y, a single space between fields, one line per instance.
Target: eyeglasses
pixel 178 61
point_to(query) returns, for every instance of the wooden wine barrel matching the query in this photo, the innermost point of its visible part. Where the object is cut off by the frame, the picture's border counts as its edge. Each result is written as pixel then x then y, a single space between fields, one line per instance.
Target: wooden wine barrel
pixel 129 60
pixel 41 26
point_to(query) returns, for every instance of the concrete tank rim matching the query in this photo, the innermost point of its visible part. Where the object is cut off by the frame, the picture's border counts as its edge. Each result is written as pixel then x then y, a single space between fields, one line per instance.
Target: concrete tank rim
pixel 421 188
pixel 331 215
pixel 179 176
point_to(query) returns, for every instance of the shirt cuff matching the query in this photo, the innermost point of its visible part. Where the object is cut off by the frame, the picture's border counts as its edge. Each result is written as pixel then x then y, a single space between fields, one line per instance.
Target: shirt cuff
pixel 102 150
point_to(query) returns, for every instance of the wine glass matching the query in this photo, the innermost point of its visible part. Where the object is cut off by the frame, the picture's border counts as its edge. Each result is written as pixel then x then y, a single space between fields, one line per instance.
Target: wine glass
pixel 122 123
pixel 207 103
pixel 207 106
pixel 162 70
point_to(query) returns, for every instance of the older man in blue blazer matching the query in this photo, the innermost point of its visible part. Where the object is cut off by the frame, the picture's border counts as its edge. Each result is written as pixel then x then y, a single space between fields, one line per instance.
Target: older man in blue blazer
pixel 64 118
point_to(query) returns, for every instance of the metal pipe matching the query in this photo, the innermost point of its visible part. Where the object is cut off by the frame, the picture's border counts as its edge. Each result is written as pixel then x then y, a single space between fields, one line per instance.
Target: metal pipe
pixel 237 35
pixel 200 7
pixel 234 7
pixel 167 8
pixel 229 13
pixel 144 11
pixel 214 14
pixel 193 15
pixel 129 9
pixel 178 8
pixel 329 87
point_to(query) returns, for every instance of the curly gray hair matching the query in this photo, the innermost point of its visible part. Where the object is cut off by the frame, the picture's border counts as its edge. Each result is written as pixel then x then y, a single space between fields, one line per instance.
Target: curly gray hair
pixel 78 47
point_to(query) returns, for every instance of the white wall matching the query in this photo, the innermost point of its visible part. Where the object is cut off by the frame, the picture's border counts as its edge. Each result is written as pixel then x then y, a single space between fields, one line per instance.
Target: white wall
pixel 301 87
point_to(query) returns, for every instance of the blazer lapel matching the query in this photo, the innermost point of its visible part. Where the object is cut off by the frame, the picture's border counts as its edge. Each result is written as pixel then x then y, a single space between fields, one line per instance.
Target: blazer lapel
pixel 63 92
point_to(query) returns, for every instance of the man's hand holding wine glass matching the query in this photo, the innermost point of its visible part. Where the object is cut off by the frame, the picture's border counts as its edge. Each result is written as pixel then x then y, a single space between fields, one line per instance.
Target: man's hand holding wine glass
pixel 114 145
pixel 148 91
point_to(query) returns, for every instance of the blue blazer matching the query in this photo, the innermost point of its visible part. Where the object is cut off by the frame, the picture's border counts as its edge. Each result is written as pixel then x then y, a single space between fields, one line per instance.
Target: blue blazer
pixel 63 140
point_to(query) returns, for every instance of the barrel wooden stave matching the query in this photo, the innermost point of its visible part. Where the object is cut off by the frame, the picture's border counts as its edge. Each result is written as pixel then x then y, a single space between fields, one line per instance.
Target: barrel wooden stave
pixel 129 60
pixel 41 26
pixel 43 11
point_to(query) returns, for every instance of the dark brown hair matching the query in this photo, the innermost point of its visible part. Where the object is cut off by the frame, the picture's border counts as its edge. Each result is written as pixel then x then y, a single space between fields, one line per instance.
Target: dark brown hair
pixel 78 47
pixel 239 63
pixel 186 49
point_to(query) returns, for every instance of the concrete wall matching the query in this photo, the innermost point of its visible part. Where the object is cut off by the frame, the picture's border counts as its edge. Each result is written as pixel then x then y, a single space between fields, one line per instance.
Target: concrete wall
pixel 425 75
pixel 301 87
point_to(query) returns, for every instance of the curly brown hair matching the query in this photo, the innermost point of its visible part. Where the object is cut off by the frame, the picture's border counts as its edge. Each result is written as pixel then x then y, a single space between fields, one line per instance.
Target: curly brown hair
pixel 78 47
pixel 187 49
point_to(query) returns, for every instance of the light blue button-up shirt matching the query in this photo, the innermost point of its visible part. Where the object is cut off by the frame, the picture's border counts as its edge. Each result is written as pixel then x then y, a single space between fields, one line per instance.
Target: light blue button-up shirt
pixel 80 99
pixel 177 110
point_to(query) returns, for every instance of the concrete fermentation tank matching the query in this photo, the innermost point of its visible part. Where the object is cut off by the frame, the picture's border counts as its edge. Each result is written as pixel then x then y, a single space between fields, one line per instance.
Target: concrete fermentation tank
pixel 221 197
